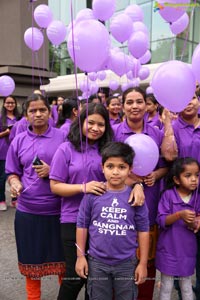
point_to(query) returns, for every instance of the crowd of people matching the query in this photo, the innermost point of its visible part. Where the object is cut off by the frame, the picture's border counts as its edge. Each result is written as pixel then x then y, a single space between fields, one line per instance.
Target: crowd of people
pixel 82 213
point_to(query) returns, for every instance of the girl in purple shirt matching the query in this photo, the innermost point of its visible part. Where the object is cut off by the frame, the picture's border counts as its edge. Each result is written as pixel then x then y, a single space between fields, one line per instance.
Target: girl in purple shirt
pixel 9 116
pixel 37 226
pixel 114 108
pixel 79 172
pixel 178 212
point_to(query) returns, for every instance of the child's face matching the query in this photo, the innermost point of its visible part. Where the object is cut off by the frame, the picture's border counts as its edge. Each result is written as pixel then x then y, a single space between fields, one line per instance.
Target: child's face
pixel 151 107
pixel 116 172
pixel 115 106
pixel 189 178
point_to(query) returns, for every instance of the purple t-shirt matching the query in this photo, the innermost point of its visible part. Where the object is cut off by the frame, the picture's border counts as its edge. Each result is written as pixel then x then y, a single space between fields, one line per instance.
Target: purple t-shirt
pixel 155 121
pixel 54 113
pixel 122 131
pixel 20 126
pixel 176 247
pixel 187 139
pixel 66 127
pixel 115 121
pixel 113 225
pixel 75 168
pixel 4 141
pixel 36 196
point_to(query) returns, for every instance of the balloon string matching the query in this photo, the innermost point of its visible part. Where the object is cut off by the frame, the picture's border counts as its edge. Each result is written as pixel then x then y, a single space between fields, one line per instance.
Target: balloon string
pixel 32 50
pixel 172 48
pixel 37 62
pixel 76 84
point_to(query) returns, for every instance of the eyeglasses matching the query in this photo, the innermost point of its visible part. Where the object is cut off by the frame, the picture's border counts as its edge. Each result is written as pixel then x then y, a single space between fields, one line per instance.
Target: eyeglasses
pixel 10 103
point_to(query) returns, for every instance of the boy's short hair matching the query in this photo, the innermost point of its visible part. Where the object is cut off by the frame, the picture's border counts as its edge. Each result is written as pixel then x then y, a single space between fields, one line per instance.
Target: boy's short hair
pixel 118 149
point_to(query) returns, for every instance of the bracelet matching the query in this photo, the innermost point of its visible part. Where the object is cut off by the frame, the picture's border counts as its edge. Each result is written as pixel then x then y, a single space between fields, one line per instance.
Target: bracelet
pixel 82 253
pixel 11 177
pixel 83 188
pixel 140 183
pixel 177 214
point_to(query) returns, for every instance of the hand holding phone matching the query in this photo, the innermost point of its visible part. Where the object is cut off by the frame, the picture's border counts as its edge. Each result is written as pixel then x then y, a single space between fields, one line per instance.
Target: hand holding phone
pixel 37 161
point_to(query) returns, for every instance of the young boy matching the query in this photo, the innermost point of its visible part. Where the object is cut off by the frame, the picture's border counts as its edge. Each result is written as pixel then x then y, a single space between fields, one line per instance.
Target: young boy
pixel 115 229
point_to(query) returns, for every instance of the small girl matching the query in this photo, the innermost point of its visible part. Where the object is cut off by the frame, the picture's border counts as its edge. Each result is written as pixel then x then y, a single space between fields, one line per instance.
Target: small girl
pixel 114 108
pixel 152 114
pixel 178 207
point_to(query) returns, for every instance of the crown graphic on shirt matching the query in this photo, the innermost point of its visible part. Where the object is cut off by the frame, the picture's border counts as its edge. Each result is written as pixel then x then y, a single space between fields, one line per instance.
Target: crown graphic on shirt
pixel 115 202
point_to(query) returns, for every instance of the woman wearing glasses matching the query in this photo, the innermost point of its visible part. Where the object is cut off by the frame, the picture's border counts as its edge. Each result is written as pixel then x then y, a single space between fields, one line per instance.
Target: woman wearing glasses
pixel 8 117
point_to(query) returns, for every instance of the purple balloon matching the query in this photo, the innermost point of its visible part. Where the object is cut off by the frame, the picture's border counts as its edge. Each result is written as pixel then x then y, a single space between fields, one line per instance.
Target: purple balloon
pixel 121 27
pixel 196 62
pixel 33 38
pixel 7 85
pixel 168 83
pixel 136 67
pixel 146 153
pixel 113 85
pixel 101 75
pixel 43 15
pixel 129 75
pixel 84 85
pixel 92 76
pixel 180 25
pixel 103 9
pixel 91 45
pixel 135 82
pixel 149 90
pixel 140 26
pixel 138 44
pixel 135 12
pixel 85 14
pixel 56 32
pixel 145 58
pixel 172 12
pixel 143 73
pixel 124 86
pixel 119 63
pixel 93 88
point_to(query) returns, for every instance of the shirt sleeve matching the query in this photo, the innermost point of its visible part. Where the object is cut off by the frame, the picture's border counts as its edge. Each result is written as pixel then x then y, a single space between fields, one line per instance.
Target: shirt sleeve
pixel 164 209
pixel 59 169
pixel 142 218
pixel 84 214
pixel 13 165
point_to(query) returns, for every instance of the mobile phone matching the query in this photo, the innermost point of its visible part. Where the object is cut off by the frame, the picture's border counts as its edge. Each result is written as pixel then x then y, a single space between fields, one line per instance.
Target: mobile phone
pixel 10 126
pixel 37 161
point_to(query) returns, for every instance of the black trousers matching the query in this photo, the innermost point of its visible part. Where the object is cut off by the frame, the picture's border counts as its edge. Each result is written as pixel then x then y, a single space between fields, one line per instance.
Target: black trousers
pixel 72 283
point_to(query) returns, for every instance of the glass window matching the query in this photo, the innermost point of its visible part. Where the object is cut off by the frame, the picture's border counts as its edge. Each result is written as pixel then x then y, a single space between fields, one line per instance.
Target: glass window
pixel 161 50
pixel 197 25
pixel 147 9
pixel 121 5
pixel 142 1
pixel 160 28
pixel 183 50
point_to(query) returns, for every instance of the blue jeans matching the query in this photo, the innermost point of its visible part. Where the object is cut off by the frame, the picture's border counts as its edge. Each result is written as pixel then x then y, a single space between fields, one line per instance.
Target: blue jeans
pixel 103 279
pixel 2 181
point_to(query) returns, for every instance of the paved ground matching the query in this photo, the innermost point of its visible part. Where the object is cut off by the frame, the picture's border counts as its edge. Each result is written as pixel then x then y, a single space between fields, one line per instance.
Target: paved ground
pixel 12 284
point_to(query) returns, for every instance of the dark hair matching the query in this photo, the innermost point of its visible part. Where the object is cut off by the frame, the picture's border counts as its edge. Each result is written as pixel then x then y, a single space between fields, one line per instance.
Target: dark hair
pixel 92 97
pixel 152 98
pixel 177 168
pixel 66 113
pixel 92 108
pixel 118 149
pixel 134 89
pixel 36 97
pixel 4 112
pixel 110 98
